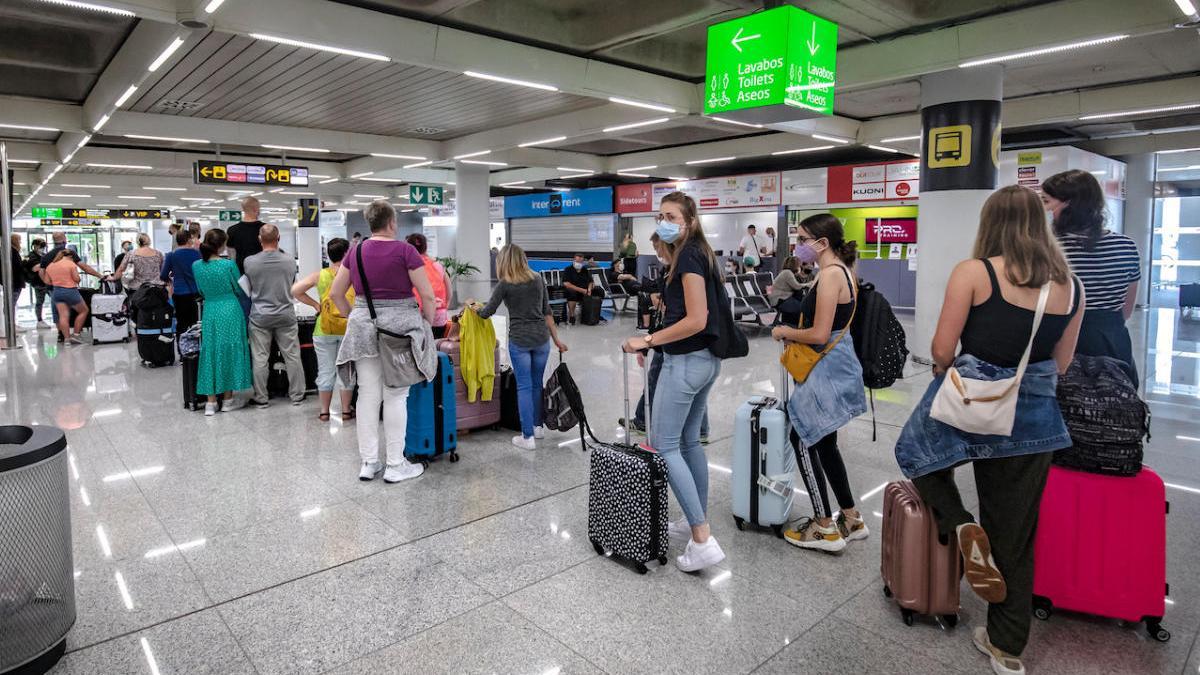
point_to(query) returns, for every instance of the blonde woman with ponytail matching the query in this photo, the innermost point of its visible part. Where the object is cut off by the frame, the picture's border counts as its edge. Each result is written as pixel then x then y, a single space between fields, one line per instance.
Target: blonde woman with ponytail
pixel 832 395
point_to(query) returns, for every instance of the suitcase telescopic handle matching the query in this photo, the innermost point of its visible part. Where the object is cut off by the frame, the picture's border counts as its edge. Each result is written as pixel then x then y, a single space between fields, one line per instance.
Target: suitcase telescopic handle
pixel 784 376
pixel 645 390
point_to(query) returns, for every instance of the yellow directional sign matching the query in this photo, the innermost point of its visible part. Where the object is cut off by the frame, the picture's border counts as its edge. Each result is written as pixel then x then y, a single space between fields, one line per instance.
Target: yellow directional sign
pixel 949 146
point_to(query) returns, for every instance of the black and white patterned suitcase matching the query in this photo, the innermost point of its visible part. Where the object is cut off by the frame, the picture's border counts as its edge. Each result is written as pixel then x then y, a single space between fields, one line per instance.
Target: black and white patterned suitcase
pixel 627 491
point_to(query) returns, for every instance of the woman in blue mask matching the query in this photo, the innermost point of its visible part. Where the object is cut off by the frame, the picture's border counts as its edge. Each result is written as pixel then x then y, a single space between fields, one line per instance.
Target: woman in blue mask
pixel 833 393
pixel 688 372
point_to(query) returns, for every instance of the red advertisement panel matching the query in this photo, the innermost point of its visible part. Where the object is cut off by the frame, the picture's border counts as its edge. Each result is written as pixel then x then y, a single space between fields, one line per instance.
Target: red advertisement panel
pixel 635 198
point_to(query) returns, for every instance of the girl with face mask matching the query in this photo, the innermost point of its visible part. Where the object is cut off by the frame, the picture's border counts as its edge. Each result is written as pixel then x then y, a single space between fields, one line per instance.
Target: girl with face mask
pixel 688 372
pixel 833 393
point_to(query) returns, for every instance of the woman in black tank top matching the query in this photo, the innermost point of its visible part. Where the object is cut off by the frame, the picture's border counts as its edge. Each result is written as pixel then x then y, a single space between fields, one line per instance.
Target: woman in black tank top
pixel 989 308
pixel 832 395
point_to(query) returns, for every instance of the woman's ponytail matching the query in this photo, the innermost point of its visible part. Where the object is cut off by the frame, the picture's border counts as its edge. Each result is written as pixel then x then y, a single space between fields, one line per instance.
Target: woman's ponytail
pixel 848 252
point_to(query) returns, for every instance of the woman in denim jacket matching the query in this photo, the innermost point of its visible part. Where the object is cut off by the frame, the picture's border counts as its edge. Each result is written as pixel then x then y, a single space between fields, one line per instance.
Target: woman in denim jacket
pixel 832 395
pixel 989 309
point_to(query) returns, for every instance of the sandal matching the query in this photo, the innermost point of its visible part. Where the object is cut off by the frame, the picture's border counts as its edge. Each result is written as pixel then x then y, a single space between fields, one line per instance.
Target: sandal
pixel 347 416
pixel 324 417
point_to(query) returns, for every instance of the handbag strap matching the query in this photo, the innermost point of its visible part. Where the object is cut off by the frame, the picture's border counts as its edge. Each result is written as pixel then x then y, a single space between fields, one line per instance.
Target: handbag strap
pixel 362 277
pixel 853 311
pixel 1043 296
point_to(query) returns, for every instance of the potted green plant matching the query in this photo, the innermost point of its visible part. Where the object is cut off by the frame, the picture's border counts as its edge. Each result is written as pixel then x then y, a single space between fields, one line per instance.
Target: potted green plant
pixel 456 268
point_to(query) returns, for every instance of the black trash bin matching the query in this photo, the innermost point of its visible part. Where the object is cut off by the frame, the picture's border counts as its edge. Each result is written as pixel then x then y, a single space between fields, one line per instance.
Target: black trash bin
pixel 37 583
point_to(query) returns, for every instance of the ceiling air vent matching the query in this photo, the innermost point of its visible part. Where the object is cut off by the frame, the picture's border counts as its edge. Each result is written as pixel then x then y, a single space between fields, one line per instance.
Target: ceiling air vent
pixel 425 131
pixel 178 105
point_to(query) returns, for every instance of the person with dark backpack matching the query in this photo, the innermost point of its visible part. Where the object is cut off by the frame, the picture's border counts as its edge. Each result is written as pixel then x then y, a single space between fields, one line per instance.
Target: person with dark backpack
pixel 879 343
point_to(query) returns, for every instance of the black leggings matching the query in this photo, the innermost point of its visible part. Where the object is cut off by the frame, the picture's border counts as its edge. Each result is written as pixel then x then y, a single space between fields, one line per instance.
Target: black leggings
pixel 821 461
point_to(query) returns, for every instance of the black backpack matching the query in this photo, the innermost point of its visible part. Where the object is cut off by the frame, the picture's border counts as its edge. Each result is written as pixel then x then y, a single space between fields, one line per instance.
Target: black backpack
pixel 1106 418
pixel 879 340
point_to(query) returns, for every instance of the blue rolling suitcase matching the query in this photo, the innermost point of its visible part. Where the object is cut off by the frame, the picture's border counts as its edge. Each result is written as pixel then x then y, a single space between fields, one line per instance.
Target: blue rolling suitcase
pixel 764 463
pixel 432 415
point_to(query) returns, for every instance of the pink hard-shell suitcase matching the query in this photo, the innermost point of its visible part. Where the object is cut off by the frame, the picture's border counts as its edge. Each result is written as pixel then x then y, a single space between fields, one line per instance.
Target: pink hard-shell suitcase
pixel 1084 559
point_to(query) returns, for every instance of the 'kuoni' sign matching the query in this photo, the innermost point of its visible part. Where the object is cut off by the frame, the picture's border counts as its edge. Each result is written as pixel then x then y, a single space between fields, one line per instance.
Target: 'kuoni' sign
pixel 726 192
pixel 874 182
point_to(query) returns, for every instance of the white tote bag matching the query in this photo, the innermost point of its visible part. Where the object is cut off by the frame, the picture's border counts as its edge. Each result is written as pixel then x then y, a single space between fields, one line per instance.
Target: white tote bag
pixel 981 406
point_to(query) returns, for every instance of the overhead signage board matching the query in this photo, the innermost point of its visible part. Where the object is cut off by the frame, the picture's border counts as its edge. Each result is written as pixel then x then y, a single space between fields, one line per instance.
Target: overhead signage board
pixel 450 208
pixel 116 214
pixel 234 173
pixel 727 192
pixel 569 203
pixel 874 182
pixel 309 213
pixel 64 222
pixel 637 198
pixel 771 66
pixel 428 195
pixel 45 212
pixel 230 216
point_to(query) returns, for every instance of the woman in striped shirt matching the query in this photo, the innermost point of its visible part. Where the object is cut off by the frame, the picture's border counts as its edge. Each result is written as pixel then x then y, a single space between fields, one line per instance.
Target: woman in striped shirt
pixel 1106 262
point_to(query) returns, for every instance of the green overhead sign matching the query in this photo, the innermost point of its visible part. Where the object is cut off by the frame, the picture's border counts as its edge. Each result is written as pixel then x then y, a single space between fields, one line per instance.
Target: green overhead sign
pixel 425 194
pixel 45 212
pixel 765 62
pixel 231 216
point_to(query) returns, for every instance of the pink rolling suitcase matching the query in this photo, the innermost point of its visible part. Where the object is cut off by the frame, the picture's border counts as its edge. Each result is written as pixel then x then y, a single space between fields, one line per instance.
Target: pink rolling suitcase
pixel 480 413
pixel 1084 559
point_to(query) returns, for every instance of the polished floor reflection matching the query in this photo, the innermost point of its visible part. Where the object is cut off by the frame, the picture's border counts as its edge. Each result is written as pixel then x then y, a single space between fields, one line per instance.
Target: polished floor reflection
pixel 243 543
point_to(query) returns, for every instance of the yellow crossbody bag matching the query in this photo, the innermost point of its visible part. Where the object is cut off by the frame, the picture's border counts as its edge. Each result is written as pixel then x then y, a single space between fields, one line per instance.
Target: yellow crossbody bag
pixel 800 359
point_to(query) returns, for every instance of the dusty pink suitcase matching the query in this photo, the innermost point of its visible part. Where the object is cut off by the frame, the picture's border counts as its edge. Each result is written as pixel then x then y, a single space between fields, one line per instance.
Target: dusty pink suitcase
pixel 480 413
pixel 1084 559
pixel 919 572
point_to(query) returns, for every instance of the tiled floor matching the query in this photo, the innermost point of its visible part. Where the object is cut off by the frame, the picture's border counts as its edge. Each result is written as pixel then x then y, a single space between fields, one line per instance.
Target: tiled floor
pixel 247 545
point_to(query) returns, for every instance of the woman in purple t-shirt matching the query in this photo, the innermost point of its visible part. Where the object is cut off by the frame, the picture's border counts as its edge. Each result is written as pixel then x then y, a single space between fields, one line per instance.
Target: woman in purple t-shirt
pixel 392 269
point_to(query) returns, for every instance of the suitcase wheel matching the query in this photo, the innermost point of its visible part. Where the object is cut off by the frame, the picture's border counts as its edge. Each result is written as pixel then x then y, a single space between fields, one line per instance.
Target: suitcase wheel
pixel 950 619
pixel 641 568
pixel 1156 631
pixel 907 615
pixel 887 592
pixel 126 340
pixel 778 529
pixel 662 560
pixel 1042 607
pixel 598 548
pixel 741 524
pixel 453 457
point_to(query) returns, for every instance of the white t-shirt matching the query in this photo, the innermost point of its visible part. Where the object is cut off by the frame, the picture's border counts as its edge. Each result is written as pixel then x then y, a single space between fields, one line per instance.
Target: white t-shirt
pixel 751 245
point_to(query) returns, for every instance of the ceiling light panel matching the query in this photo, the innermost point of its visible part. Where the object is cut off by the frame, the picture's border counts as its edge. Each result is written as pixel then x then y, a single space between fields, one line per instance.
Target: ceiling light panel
pixel 901 139
pixel 509 80
pixel 100 165
pixel 740 124
pixel 27 127
pixel 90 6
pixel 544 141
pixel 481 153
pixel 800 150
pixel 711 160
pixel 635 125
pixel 391 156
pixel 640 104
pixel 483 163
pixel 1029 53
pixel 830 139
pixel 293 148
pixel 166 54
pixel 325 48
pixel 1143 111
pixel 125 96
pixel 171 139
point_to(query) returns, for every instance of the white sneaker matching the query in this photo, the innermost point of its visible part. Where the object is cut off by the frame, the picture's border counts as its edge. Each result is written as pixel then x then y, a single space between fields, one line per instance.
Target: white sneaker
pixel 42 324
pixel 539 432
pixel 1003 663
pixel 210 409
pixel 698 556
pixel 231 404
pixel 524 443
pixel 402 471
pixel 679 528
pixel 369 470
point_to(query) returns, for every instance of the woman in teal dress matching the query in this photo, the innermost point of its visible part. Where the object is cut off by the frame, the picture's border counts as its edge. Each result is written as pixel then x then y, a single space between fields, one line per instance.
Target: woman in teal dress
pixel 224 349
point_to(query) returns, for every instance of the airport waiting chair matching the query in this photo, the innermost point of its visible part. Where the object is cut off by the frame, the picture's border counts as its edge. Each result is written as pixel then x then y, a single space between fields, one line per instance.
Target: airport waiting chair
pixel 748 290
pixel 612 292
pixel 738 305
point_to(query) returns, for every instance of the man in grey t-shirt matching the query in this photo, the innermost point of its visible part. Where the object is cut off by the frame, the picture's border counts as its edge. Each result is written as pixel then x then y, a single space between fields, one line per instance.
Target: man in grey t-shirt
pixel 270 275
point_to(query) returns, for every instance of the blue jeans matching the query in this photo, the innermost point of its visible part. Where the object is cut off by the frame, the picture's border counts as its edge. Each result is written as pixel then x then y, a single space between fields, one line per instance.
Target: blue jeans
pixel 679 407
pixel 529 365
pixel 639 417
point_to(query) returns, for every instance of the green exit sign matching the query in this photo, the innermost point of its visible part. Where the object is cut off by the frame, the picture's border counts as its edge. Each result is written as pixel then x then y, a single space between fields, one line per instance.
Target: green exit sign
pixel 771 66
pixel 45 212
pixel 425 194
pixel 231 216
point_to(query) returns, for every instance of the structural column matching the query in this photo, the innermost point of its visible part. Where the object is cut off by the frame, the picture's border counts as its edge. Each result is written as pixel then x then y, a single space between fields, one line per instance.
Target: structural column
pixel 1139 213
pixel 473 190
pixel 960 151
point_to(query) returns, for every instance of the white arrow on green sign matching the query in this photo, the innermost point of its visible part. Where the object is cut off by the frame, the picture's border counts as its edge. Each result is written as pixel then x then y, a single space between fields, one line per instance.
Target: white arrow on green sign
pixel 764 61
pixel 425 194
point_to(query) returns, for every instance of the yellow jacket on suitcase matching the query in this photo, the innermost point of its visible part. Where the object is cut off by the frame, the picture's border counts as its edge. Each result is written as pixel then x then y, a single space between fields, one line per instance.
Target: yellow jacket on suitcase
pixel 477 352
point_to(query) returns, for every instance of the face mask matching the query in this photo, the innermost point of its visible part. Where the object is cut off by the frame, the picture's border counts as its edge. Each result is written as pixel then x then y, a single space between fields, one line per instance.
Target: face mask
pixel 667 231
pixel 806 254
pixel 1049 216
pixel 578 266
